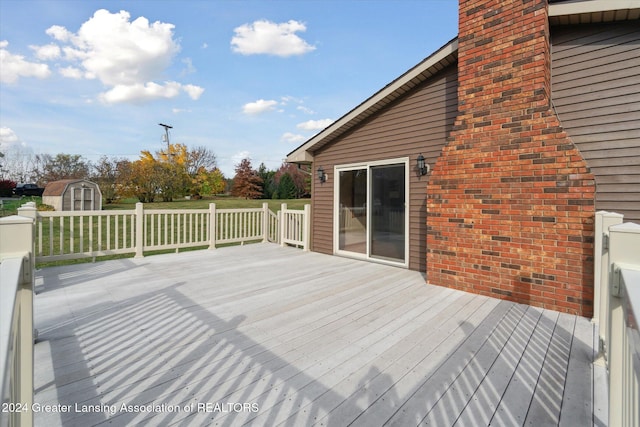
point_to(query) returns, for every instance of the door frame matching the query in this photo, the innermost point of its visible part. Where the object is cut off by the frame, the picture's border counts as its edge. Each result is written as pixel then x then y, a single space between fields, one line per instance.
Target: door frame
pixel 336 210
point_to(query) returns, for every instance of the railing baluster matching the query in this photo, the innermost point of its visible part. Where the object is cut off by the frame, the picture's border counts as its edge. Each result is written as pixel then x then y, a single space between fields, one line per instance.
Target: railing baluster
pixel 90 234
pixel 81 226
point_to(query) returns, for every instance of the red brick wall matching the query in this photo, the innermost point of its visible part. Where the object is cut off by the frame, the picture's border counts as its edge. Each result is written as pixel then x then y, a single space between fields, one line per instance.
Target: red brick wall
pixel 510 202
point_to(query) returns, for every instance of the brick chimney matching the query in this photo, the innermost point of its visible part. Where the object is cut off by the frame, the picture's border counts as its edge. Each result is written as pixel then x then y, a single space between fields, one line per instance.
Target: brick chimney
pixel 510 202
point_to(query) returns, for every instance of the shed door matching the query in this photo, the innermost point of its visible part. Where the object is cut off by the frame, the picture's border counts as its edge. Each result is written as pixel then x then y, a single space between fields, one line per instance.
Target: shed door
pixel 371 211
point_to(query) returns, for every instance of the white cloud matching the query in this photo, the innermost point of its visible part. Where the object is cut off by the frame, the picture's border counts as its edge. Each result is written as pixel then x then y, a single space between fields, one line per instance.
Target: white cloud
pixel 305 110
pixel 59 33
pixel 293 138
pixel 128 57
pixel 259 106
pixel 47 52
pixel 188 66
pixel 140 93
pixel 8 138
pixel 314 124
pixel 71 72
pixel 120 52
pixel 193 91
pixel 239 156
pixel 265 37
pixel 12 67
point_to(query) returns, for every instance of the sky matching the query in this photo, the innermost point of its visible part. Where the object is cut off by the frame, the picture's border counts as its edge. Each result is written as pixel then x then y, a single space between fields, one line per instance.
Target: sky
pixel 246 79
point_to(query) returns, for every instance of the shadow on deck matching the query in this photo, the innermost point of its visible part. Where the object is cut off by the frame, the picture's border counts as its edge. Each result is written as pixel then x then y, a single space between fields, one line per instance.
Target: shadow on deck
pixel 275 336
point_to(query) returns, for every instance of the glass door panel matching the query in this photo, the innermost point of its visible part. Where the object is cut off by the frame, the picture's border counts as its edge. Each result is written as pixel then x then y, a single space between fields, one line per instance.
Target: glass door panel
pixel 387 213
pixel 353 211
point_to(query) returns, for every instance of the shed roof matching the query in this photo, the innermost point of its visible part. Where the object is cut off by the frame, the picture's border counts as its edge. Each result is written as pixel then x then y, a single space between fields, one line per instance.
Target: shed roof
pixel 560 13
pixel 57 188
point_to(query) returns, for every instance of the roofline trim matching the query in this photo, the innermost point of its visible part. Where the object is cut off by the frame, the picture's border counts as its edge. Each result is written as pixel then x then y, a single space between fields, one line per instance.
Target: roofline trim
pixel 301 155
pixel 589 6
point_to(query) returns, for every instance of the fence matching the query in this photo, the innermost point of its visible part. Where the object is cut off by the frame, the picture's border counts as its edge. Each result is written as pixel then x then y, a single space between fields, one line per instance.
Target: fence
pixel 16 319
pixel 295 226
pixel 82 234
pixel 617 312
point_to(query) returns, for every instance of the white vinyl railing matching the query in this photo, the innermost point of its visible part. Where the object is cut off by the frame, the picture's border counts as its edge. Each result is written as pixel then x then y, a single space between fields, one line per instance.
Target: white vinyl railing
pixel 79 234
pixel 295 226
pixel 170 229
pixel 89 234
pixel 16 319
pixel 617 313
pixel 240 225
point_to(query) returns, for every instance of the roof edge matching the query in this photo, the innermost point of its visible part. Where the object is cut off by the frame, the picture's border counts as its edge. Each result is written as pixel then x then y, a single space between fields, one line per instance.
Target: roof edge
pixel 302 154
pixel 589 6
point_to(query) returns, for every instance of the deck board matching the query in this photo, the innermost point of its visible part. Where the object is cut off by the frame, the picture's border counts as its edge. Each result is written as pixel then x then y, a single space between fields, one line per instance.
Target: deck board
pixel 308 338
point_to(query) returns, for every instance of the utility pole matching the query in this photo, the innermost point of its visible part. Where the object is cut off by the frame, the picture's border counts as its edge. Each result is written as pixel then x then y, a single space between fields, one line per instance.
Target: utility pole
pixel 166 135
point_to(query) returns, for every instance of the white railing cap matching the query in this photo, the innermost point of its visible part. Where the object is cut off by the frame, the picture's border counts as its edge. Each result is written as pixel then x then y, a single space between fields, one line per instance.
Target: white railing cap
pixel 16 219
pixel 627 227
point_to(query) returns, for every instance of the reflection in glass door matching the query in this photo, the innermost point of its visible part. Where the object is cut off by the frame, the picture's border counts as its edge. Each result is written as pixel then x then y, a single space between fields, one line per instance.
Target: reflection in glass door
pixel 371 211
pixel 352 211
pixel 387 212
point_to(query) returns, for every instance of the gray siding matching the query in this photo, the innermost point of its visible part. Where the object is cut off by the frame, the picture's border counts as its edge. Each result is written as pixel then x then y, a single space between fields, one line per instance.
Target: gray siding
pixel 417 123
pixel 596 92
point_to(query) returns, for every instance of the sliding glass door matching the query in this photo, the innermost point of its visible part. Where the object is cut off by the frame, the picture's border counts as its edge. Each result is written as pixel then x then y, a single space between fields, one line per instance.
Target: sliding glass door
pixel 371 215
pixel 387 225
pixel 353 211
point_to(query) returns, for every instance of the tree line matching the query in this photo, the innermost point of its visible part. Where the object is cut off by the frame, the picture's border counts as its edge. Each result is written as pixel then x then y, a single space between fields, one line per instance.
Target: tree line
pixel 165 175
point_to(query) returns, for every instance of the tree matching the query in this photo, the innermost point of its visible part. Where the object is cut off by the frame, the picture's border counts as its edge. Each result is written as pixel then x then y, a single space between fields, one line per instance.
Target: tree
pixel 287 188
pixel 64 166
pixel 269 187
pixel 106 174
pixel 300 179
pixel 207 183
pixel 200 157
pixel 137 179
pixel 19 164
pixel 168 171
pixel 246 182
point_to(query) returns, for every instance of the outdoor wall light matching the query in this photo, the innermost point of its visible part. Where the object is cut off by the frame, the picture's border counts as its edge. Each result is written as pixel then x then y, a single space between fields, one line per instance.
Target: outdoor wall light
pixel 322 177
pixel 423 168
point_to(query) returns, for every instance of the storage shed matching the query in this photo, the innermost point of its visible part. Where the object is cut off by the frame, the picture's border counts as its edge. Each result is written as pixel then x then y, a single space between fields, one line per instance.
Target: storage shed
pixel 73 195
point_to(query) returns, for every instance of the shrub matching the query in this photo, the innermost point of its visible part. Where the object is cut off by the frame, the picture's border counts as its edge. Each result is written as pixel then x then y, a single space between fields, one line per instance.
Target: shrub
pixel 6 187
pixel 47 208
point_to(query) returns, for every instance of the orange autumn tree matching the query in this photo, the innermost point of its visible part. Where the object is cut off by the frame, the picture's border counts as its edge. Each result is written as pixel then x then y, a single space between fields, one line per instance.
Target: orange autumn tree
pixel 247 182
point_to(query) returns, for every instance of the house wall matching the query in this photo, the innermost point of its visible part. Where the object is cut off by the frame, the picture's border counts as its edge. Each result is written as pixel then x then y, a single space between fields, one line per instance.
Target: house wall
pixel 510 202
pixel 417 123
pixel 596 93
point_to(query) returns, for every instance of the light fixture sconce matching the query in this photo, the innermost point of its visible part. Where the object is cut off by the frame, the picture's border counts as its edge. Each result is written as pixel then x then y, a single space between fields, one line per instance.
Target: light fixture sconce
pixel 322 176
pixel 423 168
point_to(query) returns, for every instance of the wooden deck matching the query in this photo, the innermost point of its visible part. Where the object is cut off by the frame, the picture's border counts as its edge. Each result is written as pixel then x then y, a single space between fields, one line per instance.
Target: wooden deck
pixel 267 336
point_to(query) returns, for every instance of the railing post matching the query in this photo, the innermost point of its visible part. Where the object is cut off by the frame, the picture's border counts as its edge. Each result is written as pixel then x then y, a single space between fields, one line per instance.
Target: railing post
pixel 306 237
pixel 29 210
pixel 603 221
pixel 623 400
pixel 18 238
pixel 139 230
pixel 213 222
pixel 265 222
pixel 283 223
